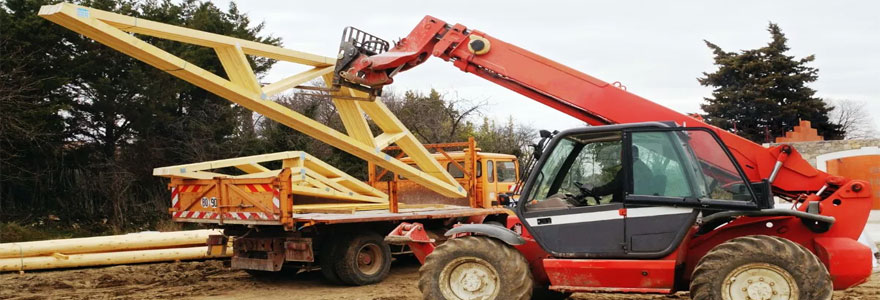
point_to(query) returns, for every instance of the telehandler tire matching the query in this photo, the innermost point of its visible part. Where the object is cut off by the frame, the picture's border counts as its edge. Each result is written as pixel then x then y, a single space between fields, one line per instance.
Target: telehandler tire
pixel 760 267
pixel 362 258
pixel 475 267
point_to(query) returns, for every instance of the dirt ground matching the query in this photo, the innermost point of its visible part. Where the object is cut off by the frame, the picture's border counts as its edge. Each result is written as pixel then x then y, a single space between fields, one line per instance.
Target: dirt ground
pixel 215 280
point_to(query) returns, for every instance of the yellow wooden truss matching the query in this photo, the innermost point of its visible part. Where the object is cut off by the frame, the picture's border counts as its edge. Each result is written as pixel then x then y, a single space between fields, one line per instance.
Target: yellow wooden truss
pixel 309 176
pixel 242 87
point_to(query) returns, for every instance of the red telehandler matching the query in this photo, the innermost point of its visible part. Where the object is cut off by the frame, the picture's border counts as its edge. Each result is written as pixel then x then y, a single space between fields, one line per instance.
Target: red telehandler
pixel 647 200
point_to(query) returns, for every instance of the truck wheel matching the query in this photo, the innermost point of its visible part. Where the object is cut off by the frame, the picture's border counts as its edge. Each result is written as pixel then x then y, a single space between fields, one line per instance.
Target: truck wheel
pixel 364 259
pixel 329 253
pixel 475 267
pixel 760 267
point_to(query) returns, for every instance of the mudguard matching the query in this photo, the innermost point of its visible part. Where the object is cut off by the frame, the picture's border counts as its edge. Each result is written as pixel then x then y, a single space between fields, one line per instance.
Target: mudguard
pixel 505 235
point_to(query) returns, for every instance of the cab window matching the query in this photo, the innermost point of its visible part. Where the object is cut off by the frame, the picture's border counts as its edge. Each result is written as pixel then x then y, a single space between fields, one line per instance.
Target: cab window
pixel 454 170
pixel 490 170
pixel 657 166
pixel 589 161
pixel 684 164
pixel 506 171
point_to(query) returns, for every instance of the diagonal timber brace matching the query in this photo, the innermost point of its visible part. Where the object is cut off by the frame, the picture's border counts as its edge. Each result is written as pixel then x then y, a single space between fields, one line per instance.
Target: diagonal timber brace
pixel 242 87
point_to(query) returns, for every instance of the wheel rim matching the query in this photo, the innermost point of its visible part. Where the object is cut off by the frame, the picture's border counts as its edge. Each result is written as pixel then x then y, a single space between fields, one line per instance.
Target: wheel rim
pixel 469 278
pixel 369 259
pixel 759 281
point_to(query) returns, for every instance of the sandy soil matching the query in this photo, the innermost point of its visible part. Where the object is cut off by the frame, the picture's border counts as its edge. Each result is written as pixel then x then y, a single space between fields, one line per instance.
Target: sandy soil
pixel 214 280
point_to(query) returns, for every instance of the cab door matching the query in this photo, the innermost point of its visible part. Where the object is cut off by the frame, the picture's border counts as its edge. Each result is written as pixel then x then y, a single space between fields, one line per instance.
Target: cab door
pixel 564 223
pixel 672 175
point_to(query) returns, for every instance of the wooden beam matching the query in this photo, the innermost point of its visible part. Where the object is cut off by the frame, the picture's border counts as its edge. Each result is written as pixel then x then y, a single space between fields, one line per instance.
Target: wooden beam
pixel 351 114
pixel 131 241
pixel 333 194
pixel 385 139
pixel 223 163
pixel 103 259
pixel 253 167
pixel 187 35
pixel 292 81
pixel 238 69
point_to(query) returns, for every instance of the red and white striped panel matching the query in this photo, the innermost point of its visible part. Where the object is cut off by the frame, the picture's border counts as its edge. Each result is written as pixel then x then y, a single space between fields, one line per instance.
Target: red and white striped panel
pixel 276 197
pixel 250 216
pixel 175 193
pixel 229 215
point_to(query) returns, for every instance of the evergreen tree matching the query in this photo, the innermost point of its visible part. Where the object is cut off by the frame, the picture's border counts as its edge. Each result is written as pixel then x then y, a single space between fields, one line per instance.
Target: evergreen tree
pixel 761 93
pixel 82 125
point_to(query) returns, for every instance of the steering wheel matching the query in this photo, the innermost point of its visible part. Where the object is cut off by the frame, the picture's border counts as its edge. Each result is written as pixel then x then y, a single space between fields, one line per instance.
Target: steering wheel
pixel 586 191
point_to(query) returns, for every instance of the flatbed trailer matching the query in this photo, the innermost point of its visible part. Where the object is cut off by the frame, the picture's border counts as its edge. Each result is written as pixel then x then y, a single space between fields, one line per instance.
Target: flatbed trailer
pixel 308 215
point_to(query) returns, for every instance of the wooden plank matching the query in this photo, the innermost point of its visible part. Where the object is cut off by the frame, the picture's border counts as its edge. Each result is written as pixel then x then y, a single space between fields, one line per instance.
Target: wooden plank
pixel 385 139
pixel 238 69
pixel 336 208
pixel 339 205
pixel 292 81
pixel 348 181
pixel 252 168
pixel 310 179
pixel 103 259
pixel 223 163
pixel 123 242
pixel 203 175
pixel 330 183
pixel 351 114
pixel 267 174
pixel 374 216
pixel 191 36
pixel 333 194
pixel 350 208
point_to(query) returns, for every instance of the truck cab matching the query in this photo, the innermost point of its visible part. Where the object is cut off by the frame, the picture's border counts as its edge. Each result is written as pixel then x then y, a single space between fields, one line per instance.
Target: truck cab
pixel 495 174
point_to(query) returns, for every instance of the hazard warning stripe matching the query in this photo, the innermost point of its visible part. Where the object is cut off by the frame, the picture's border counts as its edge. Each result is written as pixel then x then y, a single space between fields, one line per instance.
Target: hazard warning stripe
pixel 175 198
pixel 233 215
pixel 257 188
pixel 175 193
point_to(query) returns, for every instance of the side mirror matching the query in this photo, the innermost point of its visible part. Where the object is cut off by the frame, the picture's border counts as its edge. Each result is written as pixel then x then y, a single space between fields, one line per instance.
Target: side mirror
pixel 545 133
pixel 763 194
pixel 506 200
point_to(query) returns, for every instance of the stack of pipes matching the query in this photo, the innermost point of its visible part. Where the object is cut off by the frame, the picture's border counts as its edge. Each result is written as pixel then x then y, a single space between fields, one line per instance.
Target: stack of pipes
pixel 132 248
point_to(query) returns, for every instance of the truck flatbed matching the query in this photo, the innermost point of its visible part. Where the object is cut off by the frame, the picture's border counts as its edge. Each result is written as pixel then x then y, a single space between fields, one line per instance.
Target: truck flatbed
pixel 442 212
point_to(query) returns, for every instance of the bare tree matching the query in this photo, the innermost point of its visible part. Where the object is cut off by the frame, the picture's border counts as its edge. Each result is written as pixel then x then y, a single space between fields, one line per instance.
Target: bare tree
pixel 853 118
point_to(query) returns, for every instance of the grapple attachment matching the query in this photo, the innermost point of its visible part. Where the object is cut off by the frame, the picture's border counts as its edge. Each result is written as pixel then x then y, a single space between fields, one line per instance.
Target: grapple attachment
pixel 354 50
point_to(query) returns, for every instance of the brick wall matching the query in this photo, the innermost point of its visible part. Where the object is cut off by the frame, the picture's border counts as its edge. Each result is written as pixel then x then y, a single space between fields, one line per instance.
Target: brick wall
pixel 810 150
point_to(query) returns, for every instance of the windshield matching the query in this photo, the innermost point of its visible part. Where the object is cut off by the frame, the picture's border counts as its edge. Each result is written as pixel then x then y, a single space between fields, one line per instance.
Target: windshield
pixel 717 176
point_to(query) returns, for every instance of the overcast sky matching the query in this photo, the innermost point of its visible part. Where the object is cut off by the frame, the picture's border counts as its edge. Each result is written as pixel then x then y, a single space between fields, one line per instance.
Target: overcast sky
pixel 655 48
